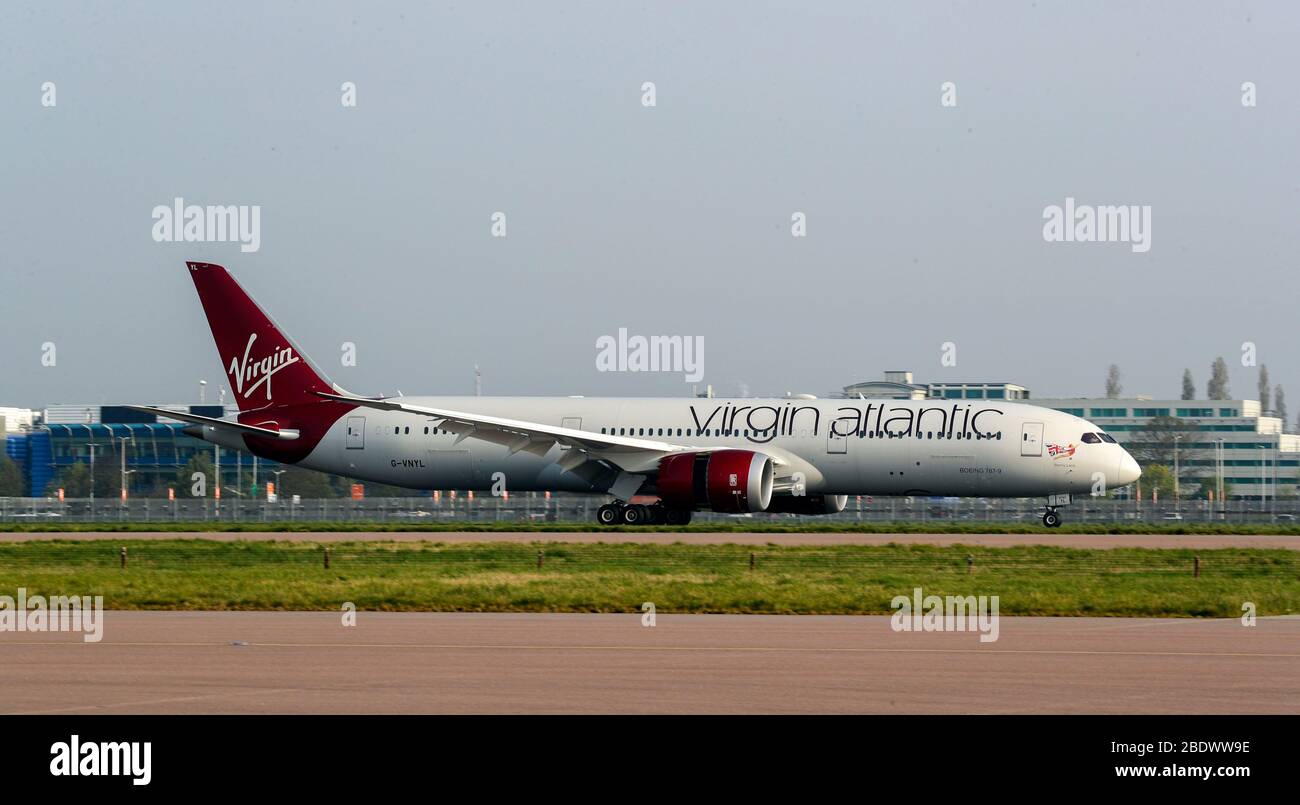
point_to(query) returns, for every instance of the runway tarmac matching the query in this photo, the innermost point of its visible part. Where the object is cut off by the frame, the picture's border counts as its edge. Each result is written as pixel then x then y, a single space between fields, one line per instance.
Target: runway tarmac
pixel 1207 541
pixel 304 662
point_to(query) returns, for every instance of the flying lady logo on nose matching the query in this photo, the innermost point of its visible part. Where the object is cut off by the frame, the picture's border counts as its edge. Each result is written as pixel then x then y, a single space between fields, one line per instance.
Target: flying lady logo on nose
pixel 243 371
pixel 1057 451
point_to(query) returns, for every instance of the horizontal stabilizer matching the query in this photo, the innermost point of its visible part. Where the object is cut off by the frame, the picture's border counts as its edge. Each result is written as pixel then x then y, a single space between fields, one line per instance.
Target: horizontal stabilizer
pixel 223 424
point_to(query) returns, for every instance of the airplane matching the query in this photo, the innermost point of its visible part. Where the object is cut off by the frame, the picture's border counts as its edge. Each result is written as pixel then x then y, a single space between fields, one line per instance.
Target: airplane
pixel 749 455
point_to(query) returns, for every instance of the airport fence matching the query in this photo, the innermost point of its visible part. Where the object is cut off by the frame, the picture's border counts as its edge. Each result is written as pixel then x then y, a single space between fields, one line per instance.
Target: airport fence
pixel 563 508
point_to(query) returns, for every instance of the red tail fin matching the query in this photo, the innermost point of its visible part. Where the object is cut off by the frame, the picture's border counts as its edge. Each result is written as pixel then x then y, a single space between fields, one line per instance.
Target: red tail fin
pixel 263 366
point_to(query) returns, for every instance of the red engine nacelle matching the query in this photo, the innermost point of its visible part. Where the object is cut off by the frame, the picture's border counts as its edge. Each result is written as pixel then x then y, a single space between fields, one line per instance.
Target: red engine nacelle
pixel 808 504
pixel 722 480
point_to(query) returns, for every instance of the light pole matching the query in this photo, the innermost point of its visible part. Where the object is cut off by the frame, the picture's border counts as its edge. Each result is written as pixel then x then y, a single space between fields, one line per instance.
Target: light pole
pixel 279 492
pixel 122 452
pixel 1218 470
pixel 1277 449
pixel 1177 487
pixel 203 392
pixel 216 488
pixel 1263 476
pixel 91 445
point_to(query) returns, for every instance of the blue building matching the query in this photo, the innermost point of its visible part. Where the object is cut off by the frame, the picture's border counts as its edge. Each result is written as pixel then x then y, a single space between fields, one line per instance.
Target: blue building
pixel 155 451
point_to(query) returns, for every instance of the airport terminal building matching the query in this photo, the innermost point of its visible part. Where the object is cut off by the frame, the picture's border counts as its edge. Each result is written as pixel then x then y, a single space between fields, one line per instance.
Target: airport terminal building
pixel 1257 459
pixel 45 443
pixel 899 385
pixel 1249 447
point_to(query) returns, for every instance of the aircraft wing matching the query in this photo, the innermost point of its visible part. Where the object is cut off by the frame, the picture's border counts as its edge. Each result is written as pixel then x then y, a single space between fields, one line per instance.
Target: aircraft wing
pixel 629 454
pixel 223 424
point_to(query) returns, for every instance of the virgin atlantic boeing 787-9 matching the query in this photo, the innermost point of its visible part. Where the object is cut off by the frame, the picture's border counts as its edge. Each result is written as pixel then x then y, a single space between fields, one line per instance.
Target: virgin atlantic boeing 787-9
pixel 742 455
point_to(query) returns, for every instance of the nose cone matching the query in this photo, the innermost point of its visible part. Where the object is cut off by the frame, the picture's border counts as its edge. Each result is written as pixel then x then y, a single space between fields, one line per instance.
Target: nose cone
pixel 1129 471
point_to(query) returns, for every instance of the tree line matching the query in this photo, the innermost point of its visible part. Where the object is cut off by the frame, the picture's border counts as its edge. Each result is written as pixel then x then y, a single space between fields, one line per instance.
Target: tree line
pixel 1155 446
pixel 1272 398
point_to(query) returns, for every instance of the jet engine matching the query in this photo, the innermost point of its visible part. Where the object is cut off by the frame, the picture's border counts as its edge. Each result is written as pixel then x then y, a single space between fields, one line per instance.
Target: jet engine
pixel 732 481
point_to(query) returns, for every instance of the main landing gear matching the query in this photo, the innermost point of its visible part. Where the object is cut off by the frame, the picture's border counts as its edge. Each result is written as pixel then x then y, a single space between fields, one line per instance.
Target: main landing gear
pixel 638 514
pixel 1051 519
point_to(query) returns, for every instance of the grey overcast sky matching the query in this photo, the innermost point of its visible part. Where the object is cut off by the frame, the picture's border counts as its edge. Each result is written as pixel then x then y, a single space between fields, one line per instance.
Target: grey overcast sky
pixel 924 222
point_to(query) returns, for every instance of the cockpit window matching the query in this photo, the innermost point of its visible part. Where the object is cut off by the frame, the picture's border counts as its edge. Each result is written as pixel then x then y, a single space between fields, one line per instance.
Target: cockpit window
pixel 1107 438
pixel 1091 438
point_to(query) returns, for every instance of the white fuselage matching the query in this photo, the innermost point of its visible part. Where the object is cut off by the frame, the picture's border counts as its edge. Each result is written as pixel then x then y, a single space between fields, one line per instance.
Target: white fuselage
pixel 983 448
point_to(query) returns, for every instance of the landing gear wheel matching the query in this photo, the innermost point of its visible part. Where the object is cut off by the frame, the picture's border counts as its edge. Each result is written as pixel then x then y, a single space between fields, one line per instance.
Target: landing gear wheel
pixel 607 514
pixel 678 517
pixel 635 515
pixel 1052 520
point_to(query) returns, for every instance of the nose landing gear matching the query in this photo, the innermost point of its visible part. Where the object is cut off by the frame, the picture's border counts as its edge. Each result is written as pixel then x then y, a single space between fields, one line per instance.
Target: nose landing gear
pixel 1052 519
